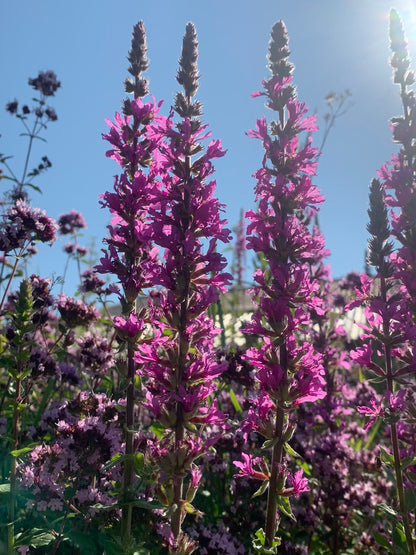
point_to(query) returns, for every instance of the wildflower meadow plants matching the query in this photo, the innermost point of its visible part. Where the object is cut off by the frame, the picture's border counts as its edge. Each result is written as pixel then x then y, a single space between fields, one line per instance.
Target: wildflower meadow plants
pixel 182 420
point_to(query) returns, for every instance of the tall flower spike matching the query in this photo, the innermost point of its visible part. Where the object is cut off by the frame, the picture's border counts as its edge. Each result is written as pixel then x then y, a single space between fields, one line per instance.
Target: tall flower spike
pixel 188 76
pixel 138 64
pixel 279 64
pixel 287 369
pixel 180 366
pixel 378 245
pixel 279 51
pixel 400 60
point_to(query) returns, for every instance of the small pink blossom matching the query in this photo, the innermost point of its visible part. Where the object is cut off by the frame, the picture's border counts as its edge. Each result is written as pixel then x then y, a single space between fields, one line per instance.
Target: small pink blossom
pixel 299 484
pixel 246 467
pixel 375 411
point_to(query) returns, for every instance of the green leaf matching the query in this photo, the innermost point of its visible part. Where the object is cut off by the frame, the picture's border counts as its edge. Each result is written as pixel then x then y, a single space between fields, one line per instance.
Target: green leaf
pixel 158 430
pixel 386 457
pixel 35 187
pixel 381 540
pixel 101 507
pixel 269 443
pixel 410 499
pixel 258 544
pixel 112 547
pixel 387 509
pixel 284 506
pixel 33 136
pixel 234 401
pixel 374 429
pixel 4 488
pixel 139 463
pixel 17 452
pixel 115 460
pixel 262 488
pixel 399 537
pixel 408 461
pixel 85 541
pixel 45 538
pixel 69 493
pixel 291 451
pixel 143 504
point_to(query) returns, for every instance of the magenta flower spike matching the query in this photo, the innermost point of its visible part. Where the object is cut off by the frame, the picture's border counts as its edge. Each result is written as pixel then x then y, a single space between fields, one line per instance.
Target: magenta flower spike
pixel 181 368
pixel 131 255
pixel 288 370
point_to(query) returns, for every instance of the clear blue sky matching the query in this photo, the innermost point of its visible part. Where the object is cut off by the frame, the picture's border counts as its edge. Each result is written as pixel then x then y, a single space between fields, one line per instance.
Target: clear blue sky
pixel 335 44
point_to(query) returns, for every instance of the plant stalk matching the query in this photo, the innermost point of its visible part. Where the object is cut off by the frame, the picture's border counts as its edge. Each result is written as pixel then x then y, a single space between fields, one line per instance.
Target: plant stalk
pixel 393 432
pixel 277 456
pixel 127 509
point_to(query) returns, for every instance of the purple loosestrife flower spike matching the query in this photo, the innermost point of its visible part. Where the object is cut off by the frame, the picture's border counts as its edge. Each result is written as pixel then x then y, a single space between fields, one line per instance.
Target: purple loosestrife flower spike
pixel 180 365
pixel 288 371
pixel 131 255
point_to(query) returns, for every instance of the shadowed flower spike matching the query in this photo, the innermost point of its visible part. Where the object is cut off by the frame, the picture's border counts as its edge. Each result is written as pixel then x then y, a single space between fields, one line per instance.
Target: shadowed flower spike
pixel 378 245
pixel 188 76
pixel 138 64
pixel 280 66
pixel 188 73
pixel 279 51
pixel 400 60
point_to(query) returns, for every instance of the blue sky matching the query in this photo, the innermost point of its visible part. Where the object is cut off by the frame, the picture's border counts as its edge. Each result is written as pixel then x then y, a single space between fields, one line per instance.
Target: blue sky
pixel 335 45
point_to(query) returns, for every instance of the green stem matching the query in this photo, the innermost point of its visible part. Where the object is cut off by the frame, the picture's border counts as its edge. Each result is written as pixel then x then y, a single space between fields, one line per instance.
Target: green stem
pixel 127 510
pixel 271 511
pixel 277 456
pixel 58 537
pixel 393 431
pixel 18 257
pixel 32 135
pixel 177 516
pixel 221 322
pixel 45 399
pixel 13 468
